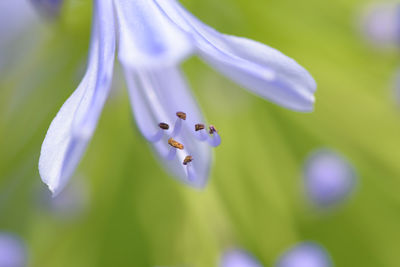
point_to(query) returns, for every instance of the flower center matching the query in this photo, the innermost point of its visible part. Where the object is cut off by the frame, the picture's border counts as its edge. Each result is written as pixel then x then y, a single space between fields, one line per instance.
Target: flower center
pixel 200 133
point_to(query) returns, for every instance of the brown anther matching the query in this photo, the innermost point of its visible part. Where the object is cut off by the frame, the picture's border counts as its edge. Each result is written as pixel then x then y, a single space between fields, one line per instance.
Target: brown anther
pixel 175 144
pixel 187 160
pixel 181 115
pixel 212 129
pixel 199 127
pixel 163 126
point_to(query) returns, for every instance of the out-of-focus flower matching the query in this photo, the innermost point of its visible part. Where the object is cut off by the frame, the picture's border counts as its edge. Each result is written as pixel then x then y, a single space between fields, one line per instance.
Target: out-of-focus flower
pixel 12 251
pixel 16 18
pixel 306 254
pixel 381 24
pixel 154 37
pixel 48 8
pixel 238 258
pixel 328 177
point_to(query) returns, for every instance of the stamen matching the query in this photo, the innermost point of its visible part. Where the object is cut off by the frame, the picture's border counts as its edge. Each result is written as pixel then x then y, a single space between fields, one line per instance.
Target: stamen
pixel 175 144
pixel 215 140
pixel 187 160
pixel 191 174
pixel 157 136
pixel 200 132
pixel 199 127
pixel 178 124
pixel 181 115
pixel 212 129
pixel 163 126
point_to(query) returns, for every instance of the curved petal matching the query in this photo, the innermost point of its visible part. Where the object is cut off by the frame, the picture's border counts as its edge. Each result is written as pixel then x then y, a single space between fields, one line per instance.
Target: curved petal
pixel 147 37
pixel 257 67
pixel 72 128
pixel 156 96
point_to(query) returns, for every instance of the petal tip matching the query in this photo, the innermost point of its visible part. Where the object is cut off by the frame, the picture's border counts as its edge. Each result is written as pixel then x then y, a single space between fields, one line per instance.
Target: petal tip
pixel 53 190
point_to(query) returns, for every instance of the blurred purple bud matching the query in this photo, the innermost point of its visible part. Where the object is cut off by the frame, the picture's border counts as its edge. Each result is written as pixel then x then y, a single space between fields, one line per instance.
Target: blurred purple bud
pixel 238 258
pixel 15 17
pixel 328 178
pixel 48 8
pixel 306 254
pixel 18 32
pixel 12 251
pixel 381 24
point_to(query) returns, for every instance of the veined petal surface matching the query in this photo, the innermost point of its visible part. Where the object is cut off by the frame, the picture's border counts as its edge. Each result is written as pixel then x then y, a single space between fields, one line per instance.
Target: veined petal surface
pixel 255 66
pixel 156 96
pixel 72 128
pixel 147 37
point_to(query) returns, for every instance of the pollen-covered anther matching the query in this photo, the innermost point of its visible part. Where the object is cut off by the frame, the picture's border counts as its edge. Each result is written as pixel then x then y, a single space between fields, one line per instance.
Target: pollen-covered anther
pixel 181 115
pixel 187 160
pixel 212 129
pixel 175 144
pixel 163 126
pixel 199 127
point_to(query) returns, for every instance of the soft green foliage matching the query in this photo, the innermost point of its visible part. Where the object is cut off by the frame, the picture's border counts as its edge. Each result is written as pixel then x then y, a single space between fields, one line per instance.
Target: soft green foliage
pixel 138 216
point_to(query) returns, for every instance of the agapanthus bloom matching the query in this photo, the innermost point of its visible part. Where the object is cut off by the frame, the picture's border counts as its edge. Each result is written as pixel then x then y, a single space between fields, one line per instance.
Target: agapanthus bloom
pixel 306 254
pixel 328 178
pixel 238 258
pixel 12 251
pixel 155 36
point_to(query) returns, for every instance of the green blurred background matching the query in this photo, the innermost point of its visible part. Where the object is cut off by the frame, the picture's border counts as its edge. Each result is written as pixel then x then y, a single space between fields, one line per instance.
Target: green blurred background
pixel 136 215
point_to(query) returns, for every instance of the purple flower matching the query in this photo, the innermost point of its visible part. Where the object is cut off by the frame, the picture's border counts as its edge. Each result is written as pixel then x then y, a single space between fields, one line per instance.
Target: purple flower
pixel 238 258
pixel 155 36
pixel 305 254
pixel 12 251
pixel 328 178
pixel 381 24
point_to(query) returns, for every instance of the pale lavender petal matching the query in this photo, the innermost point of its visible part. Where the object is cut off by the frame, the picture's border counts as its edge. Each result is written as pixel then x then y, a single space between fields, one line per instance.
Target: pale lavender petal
pixel 156 96
pixel 306 254
pixel 12 251
pixel 72 128
pixel 328 178
pixel 257 67
pixel 147 37
pixel 238 258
